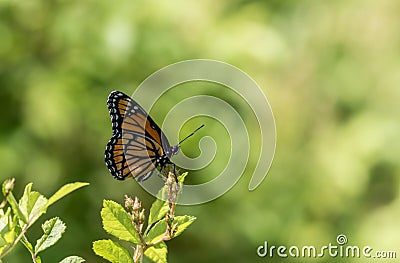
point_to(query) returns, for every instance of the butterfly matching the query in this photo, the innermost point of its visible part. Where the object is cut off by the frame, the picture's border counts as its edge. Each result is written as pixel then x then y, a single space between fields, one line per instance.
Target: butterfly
pixel 137 146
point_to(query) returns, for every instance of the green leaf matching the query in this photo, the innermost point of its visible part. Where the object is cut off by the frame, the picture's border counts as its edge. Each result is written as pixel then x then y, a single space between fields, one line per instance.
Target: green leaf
pixel 163 193
pixel 182 222
pixel 157 211
pixel 13 230
pixel 5 225
pixel 112 251
pixel 182 177
pixel 53 230
pixel 28 245
pixel 157 253
pixel 38 260
pixel 2 248
pixel 10 236
pixel 72 259
pixel 15 207
pixel 65 190
pixel 117 222
pixel 4 229
pixel 157 232
pixel 4 217
pixel 32 204
pixel 2 242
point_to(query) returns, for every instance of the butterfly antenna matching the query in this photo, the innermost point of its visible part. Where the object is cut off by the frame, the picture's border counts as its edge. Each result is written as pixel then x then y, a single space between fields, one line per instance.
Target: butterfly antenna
pixel 190 135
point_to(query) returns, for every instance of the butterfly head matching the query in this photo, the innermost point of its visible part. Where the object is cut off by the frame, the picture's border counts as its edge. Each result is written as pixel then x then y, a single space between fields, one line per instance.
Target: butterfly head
pixel 174 150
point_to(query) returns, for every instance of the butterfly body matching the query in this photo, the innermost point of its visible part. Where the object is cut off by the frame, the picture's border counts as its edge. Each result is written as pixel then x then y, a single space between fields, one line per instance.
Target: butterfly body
pixel 138 146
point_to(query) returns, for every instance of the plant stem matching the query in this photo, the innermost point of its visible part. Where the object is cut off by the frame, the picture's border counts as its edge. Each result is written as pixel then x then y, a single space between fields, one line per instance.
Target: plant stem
pixel 138 255
pixel 21 235
pixel 172 190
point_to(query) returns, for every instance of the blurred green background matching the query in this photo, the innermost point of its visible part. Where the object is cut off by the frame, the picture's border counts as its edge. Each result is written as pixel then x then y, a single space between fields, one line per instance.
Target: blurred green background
pixel 330 70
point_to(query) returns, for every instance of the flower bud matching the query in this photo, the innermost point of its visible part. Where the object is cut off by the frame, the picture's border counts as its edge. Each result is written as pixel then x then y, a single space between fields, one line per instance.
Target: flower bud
pixel 136 204
pixel 8 185
pixel 142 217
pixel 128 203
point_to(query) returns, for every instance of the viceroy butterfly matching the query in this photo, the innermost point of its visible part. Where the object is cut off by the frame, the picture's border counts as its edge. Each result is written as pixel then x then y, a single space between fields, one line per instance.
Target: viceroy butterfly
pixel 138 146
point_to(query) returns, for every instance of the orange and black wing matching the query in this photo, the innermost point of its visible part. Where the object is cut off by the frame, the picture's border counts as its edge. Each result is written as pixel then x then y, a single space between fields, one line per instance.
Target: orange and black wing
pixel 137 141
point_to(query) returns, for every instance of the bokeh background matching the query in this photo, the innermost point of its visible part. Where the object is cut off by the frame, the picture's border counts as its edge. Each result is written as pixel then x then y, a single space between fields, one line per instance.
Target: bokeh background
pixel 330 70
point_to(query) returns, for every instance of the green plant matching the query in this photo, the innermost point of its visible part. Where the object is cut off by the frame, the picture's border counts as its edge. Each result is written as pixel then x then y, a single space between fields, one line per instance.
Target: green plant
pixel 18 217
pixel 129 225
